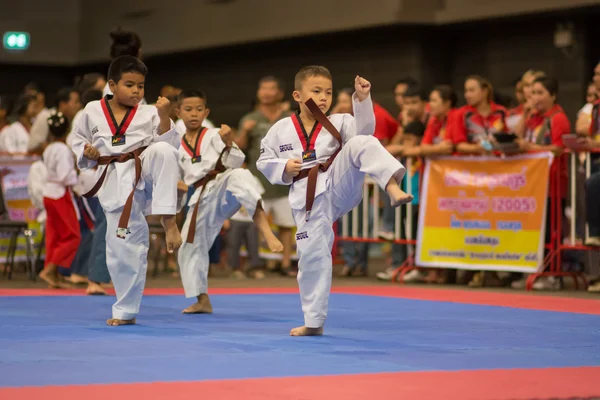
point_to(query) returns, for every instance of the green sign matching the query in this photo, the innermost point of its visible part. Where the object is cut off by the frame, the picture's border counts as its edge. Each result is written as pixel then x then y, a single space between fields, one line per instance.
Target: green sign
pixel 16 40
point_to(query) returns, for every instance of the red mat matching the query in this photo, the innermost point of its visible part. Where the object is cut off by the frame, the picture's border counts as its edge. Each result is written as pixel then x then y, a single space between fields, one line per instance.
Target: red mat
pixel 527 301
pixel 514 384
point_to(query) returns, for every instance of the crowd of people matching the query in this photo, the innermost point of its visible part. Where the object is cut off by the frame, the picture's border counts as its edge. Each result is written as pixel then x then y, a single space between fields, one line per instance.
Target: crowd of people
pixel 426 123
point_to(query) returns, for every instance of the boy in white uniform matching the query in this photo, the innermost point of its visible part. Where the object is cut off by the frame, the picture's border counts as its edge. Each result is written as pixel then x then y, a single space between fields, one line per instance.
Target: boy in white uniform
pixel 211 162
pixel 137 145
pixel 326 170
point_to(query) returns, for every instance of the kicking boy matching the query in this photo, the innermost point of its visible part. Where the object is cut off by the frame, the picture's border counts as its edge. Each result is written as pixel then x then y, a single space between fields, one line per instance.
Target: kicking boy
pixel 211 162
pixel 137 145
pixel 325 161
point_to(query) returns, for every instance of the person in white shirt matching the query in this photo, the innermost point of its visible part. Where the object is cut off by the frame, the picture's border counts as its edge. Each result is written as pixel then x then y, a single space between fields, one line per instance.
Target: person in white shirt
pixel 210 162
pixel 62 214
pixel 137 146
pixel 15 138
pixel 67 103
pixel 326 170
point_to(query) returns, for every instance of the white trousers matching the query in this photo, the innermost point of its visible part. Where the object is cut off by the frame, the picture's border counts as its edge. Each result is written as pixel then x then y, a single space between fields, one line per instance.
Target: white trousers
pixel 127 259
pixel 231 190
pixel 360 155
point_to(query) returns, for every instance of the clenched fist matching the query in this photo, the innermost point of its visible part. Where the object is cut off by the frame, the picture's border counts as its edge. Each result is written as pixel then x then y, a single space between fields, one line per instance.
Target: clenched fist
pixel 362 87
pixel 163 107
pixel 293 168
pixel 225 133
pixel 91 153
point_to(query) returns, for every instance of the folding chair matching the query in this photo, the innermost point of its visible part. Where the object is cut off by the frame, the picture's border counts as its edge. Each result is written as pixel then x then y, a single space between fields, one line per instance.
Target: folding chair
pixel 14 229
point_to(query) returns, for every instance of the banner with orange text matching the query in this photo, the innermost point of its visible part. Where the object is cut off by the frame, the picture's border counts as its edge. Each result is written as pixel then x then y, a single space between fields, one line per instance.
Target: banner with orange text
pixel 484 213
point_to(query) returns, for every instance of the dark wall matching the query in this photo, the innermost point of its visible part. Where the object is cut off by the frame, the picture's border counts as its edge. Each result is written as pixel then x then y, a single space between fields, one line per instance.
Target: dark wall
pixel 499 50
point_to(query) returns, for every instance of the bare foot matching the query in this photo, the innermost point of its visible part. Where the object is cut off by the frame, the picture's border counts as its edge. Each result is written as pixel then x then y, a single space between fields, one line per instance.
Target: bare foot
pixel 173 236
pixel 94 289
pixel 77 279
pixel 203 306
pixel 273 243
pixel 397 195
pixel 304 331
pixel 49 276
pixel 262 223
pixel 119 322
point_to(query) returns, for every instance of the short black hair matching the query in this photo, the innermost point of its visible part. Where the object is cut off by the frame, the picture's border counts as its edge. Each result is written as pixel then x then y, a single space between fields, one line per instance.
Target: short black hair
pixel 22 103
pixel 64 95
pixel 416 91
pixel 189 93
pixel 271 78
pixel 87 81
pixel 549 83
pixel 408 81
pixel 416 128
pixel 124 64
pixel 58 124
pixel 446 94
pixel 34 87
pixel 90 95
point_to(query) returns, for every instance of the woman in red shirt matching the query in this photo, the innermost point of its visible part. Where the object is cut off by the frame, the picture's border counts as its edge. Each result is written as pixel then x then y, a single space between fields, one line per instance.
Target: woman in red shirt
pixel 545 126
pixel 437 139
pixel 516 114
pixel 543 130
pixel 474 125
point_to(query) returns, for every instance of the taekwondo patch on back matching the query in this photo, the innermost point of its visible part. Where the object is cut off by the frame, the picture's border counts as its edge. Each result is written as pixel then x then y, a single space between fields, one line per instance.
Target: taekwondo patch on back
pixel 301 235
pixel 118 140
pixel 285 147
pixel 309 155
pixel 196 159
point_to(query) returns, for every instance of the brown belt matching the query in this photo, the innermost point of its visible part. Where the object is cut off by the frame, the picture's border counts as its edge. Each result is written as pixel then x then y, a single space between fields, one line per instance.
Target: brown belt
pixel 313 173
pixel 211 175
pixel 121 158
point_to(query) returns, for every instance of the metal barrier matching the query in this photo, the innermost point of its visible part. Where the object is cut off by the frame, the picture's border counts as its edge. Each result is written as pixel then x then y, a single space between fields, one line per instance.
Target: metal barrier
pixel 554 249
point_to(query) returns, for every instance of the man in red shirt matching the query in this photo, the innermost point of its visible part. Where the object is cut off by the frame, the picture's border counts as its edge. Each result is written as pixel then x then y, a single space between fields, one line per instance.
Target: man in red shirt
pixel 386 126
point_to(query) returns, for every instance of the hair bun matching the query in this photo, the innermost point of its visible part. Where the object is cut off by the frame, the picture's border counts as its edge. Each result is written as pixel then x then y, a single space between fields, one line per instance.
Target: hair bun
pixel 120 36
pixel 57 119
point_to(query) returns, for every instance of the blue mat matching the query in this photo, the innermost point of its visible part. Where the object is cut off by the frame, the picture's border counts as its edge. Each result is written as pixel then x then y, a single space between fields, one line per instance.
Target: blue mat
pixel 63 340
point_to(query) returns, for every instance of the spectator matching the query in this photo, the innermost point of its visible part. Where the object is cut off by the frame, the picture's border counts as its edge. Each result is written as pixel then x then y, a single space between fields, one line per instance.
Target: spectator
pixel 36 90
pixel 584 116
pixel 253 128
pixel 93 94
pixel 15 137
pixel 473 126
pixel 5 110
pixel 413 133
pixel 437 140
pixel 355 255
pixel 243 231
pixel 67 103
pixel 516 114
pixel 545 126
pixel 399 90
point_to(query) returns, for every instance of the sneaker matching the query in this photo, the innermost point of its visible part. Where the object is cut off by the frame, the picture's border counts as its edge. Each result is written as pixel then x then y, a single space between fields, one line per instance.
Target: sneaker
pixel 520 284
pixel 237 274
pixel 386 275
pixel 414 276
pixel 389 236
pixel 547 283
pixel 594 288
